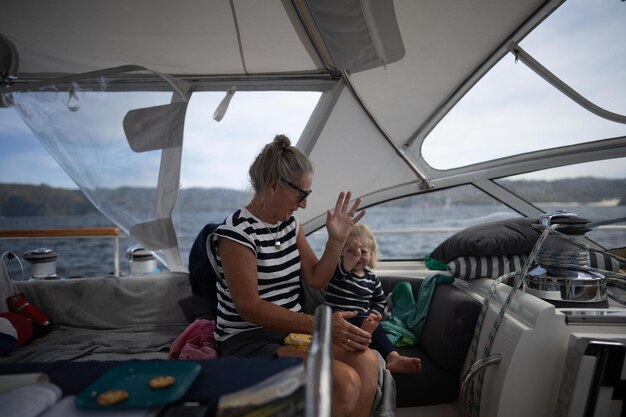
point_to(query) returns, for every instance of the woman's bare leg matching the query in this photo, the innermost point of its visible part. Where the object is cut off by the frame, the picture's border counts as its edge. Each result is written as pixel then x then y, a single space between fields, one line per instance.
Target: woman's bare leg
pixel 346 384
pixel 366 365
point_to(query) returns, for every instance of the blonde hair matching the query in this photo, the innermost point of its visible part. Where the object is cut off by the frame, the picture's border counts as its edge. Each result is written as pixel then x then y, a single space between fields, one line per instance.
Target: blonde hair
pixel 361 230
pixel 277 160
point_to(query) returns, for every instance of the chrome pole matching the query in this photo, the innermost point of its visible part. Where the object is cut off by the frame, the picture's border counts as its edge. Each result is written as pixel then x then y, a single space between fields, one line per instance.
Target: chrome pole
pixel 319 374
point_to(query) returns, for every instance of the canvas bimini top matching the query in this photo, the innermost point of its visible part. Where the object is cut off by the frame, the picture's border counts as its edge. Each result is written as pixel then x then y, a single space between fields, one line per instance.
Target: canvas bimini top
pixel 388 71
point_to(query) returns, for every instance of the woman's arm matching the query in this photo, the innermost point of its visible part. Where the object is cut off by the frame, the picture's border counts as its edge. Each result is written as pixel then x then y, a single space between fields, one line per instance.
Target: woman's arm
pixel 339 223
pixel 240 271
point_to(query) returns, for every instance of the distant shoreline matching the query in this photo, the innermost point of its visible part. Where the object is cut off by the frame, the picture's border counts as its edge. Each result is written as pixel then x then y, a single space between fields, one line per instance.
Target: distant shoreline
pixel 20 200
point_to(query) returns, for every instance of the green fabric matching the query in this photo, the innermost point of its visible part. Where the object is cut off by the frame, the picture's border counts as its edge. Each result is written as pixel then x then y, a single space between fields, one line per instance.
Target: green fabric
pixel 434 264
pixel 395 325
pixel 396 332
pixel 408 316
pixel 424 297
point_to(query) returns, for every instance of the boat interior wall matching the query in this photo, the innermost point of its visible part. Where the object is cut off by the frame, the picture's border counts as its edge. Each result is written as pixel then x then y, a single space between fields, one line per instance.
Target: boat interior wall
pixel 375 169
pixel 532 343
pixel 530 322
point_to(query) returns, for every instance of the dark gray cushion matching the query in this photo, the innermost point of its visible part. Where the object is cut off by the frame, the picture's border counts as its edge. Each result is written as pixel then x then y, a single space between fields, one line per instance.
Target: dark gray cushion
pixel 449 327
pixel 430 387
pixel 444 344
pixel 503 237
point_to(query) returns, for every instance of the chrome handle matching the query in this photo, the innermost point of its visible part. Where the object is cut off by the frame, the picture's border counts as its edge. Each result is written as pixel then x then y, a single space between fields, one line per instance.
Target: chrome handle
pixel 478 366
pixel 319 375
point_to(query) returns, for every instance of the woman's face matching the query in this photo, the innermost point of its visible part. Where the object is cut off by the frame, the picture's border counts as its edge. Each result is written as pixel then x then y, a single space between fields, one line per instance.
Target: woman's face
pixel 292 195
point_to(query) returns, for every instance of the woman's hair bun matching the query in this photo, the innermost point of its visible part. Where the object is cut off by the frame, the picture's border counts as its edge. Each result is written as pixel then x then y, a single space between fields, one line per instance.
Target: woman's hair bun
pixel 282 141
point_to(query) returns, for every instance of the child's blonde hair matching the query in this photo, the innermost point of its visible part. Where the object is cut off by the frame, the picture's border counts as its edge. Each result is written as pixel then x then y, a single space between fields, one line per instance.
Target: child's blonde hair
pixel 362 230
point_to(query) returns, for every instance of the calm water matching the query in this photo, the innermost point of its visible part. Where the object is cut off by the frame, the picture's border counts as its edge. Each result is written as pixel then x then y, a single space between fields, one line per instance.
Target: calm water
pixel 395 229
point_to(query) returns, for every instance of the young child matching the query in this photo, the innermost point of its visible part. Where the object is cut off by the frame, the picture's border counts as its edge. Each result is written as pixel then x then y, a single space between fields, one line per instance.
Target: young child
pixel 354 287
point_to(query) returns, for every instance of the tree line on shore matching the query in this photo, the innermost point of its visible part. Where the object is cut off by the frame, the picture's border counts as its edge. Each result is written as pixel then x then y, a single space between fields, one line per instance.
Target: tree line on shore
pixel 43 200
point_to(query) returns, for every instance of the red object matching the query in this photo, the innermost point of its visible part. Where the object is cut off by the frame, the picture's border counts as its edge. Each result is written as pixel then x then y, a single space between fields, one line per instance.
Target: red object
pixel 19 304
pixel 22 325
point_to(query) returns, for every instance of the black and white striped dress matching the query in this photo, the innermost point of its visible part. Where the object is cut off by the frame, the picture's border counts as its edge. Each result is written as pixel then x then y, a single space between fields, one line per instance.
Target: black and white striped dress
pixel 278 269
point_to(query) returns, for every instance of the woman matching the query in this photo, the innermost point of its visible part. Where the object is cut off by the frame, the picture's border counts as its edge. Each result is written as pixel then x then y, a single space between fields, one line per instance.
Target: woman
pixel 260 255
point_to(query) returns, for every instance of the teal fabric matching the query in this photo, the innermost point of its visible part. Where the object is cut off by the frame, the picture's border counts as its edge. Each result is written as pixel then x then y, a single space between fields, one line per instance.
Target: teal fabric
pixel 408 315
pixel 435 264
pixel 395 325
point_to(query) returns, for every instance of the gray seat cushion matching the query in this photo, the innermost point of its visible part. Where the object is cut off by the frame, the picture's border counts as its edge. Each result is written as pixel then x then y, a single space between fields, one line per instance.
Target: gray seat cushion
pixel 449 328
pixel 444 342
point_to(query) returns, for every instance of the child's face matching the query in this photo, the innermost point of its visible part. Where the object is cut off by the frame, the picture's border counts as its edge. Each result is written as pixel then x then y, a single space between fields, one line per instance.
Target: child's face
pixel 365 248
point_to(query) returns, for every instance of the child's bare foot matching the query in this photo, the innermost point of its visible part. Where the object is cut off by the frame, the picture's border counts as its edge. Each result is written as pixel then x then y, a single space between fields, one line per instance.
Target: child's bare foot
pixel 371 323
pixel 403 364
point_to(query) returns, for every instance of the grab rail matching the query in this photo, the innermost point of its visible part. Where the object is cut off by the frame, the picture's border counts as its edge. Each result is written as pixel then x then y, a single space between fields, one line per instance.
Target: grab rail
pixel 478 366
pixel 319 375
pixel 61 233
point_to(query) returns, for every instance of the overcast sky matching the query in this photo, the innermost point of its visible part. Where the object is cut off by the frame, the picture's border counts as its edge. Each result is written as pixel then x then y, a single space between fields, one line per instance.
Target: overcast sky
pixel 253 118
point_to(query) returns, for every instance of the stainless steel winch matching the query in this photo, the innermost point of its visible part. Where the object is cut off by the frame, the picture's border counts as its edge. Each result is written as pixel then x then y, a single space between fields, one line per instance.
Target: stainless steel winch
pixel 560 274
pixel 42 263
pixel 142 261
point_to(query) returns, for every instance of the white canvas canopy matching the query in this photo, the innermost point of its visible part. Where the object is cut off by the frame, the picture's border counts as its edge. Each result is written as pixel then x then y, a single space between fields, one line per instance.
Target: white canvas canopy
pixel 388 70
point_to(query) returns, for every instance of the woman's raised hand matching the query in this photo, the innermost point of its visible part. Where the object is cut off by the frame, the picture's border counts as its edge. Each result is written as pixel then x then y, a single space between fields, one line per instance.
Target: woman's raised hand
pixel 340 222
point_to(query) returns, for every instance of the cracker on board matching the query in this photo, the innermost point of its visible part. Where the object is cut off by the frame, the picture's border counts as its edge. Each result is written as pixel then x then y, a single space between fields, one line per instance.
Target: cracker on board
pixel 161 381
pixel 112 396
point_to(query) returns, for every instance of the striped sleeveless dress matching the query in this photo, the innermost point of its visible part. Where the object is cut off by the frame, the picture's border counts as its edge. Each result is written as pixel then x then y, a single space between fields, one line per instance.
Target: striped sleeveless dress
pixel 278 268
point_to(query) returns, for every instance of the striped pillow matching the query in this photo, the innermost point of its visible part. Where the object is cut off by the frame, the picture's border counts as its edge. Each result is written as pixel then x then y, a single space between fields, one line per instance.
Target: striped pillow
pixel 470 267
pixel 605 261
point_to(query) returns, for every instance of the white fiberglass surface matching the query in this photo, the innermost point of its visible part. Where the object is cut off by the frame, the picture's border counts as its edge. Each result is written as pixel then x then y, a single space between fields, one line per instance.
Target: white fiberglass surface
pixel 512 110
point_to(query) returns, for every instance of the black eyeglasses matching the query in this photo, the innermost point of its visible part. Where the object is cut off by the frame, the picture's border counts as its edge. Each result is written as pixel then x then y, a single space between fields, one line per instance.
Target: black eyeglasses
pixel 303 194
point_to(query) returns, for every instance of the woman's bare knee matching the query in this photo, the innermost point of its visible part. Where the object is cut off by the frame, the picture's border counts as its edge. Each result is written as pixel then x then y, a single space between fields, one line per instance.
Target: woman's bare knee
pixel 346 389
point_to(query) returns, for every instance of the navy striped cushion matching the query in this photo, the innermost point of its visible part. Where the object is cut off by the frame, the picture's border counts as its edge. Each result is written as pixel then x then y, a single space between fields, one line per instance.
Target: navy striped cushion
pixel 470 267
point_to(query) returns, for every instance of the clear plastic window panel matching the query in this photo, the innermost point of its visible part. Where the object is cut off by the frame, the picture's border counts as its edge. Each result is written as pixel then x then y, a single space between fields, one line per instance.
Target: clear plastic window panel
pixel 410 228
pixel 512 110
pixel 595 191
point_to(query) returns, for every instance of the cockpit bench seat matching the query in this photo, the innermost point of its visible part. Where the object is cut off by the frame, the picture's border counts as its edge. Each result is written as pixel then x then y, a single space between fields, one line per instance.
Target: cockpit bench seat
pixel 443 346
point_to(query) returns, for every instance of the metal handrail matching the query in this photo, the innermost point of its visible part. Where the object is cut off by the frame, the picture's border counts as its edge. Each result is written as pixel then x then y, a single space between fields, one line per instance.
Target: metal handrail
pixel 468 381
pixel 68 233
pixel 319 374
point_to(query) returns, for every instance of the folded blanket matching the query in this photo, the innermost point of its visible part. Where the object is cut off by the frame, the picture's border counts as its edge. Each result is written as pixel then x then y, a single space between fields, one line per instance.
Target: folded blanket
pixel 404 326
pixel 197 341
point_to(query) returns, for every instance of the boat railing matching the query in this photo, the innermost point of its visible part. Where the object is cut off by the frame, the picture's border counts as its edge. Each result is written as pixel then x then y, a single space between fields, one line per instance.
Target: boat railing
pixel 70 233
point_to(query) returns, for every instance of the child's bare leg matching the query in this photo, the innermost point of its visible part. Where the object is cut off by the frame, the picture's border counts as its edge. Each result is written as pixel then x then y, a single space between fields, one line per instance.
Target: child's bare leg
pixel 403 364
pixel 371 323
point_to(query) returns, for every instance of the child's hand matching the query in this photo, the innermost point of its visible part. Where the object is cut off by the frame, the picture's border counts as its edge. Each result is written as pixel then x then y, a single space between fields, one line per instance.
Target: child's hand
pixel 351 255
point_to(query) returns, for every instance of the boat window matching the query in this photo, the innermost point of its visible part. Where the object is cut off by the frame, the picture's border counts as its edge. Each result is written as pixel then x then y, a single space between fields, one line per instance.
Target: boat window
pixel 601 198
pixel 590 48
pixel 217 155
pixel 410 228
pixel 512 110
